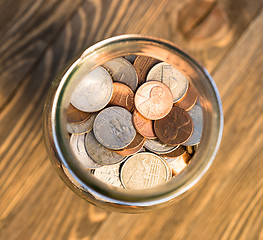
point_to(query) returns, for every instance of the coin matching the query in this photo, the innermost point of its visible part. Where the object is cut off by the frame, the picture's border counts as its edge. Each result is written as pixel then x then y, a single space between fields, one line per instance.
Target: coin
pixel 122 96
pixel 76 116
pixel 78 148
pixel 143 125
pixel 122 71
pixel 142 65
pixel 171 77
pixel 99 153
pixel 113 128
pixel 190 149
pixel 189 100
pixel 93 92
pixel 134 147
pixel 175 128
pixel 131 58
pixel 177 165
pixel 156 146
pixel 109 174
pixel 144 170
pixel 196 114
pixel 153 100
pixel 83 127
pixel 180 150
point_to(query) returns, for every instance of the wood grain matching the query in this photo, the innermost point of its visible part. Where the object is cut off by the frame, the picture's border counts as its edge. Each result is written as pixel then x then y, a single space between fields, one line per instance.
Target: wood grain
pixel 36 204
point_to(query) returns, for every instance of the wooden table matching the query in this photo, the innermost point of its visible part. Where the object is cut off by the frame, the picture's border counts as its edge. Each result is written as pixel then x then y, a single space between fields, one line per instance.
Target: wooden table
pixel 38 37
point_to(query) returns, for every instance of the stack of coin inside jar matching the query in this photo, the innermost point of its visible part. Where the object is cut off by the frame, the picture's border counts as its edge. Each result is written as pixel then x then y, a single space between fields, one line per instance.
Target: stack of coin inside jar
pixel 134 121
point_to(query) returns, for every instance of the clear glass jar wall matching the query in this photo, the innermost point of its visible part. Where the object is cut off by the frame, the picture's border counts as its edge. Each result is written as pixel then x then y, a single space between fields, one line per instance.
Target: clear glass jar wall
pixel 80 179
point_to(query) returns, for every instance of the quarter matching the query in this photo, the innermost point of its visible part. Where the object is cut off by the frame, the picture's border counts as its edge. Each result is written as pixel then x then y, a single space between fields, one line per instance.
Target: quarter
pixel 93 92
pixel 113 128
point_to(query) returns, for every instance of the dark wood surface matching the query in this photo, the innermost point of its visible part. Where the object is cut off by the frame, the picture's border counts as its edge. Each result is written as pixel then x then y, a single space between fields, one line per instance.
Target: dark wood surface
pixel 38 37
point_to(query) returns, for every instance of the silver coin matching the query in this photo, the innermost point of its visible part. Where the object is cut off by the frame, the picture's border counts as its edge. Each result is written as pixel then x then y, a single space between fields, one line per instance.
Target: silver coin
pixel 83 127
pixel 131 58
pixel 196 114
pixel 109 174
pixel 78 146
pixel 113 128
pixel 122 71
pixel 94 91
pixel 144 170
pixel 156 146
pixel 177 165
pixel 99 153
pixel 170 76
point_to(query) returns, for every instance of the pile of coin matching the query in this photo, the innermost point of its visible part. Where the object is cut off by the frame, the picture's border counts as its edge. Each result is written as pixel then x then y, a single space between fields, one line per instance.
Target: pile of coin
pixel 135 121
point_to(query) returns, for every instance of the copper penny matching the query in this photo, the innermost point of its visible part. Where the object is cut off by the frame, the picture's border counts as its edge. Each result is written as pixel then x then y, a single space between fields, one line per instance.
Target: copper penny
pixel 76 116
pixel 153 100
pixel 175 153
pixel 189 100
pixel 175 128
pixel 134 147
pixel 143 125
pixel 142 65
pixel 122 96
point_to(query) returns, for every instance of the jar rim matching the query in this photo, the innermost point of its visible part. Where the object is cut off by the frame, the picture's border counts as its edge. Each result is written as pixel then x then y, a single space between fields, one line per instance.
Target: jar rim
pixel 182 182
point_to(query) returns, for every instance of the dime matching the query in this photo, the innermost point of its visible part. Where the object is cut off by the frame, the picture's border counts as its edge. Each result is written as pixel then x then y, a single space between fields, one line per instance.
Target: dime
pixel 113 128
pixel 78 148
pixel 157 146
pixel 99 153
pixel 143 125
pixel 144 170
pixel 196 114
pixel 170 76
pixel 83 127
pixel 189 100
pixel 122 70
pixel 131 58
pixel 109 174
pixel 122 96
pixel 175 128
pixel 93 92
pixel 180 150
pixel 134 147
pixel 142 65
pixel 76 116
pixel 153 100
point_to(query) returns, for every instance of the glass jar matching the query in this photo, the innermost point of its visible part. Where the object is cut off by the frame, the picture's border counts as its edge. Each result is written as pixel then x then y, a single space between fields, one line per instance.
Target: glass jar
pixel 79 179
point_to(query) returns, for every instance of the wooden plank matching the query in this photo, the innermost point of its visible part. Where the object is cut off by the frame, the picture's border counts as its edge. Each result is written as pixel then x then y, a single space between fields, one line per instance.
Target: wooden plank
pixel 34 201
pixel 26 27
pixel 227 203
